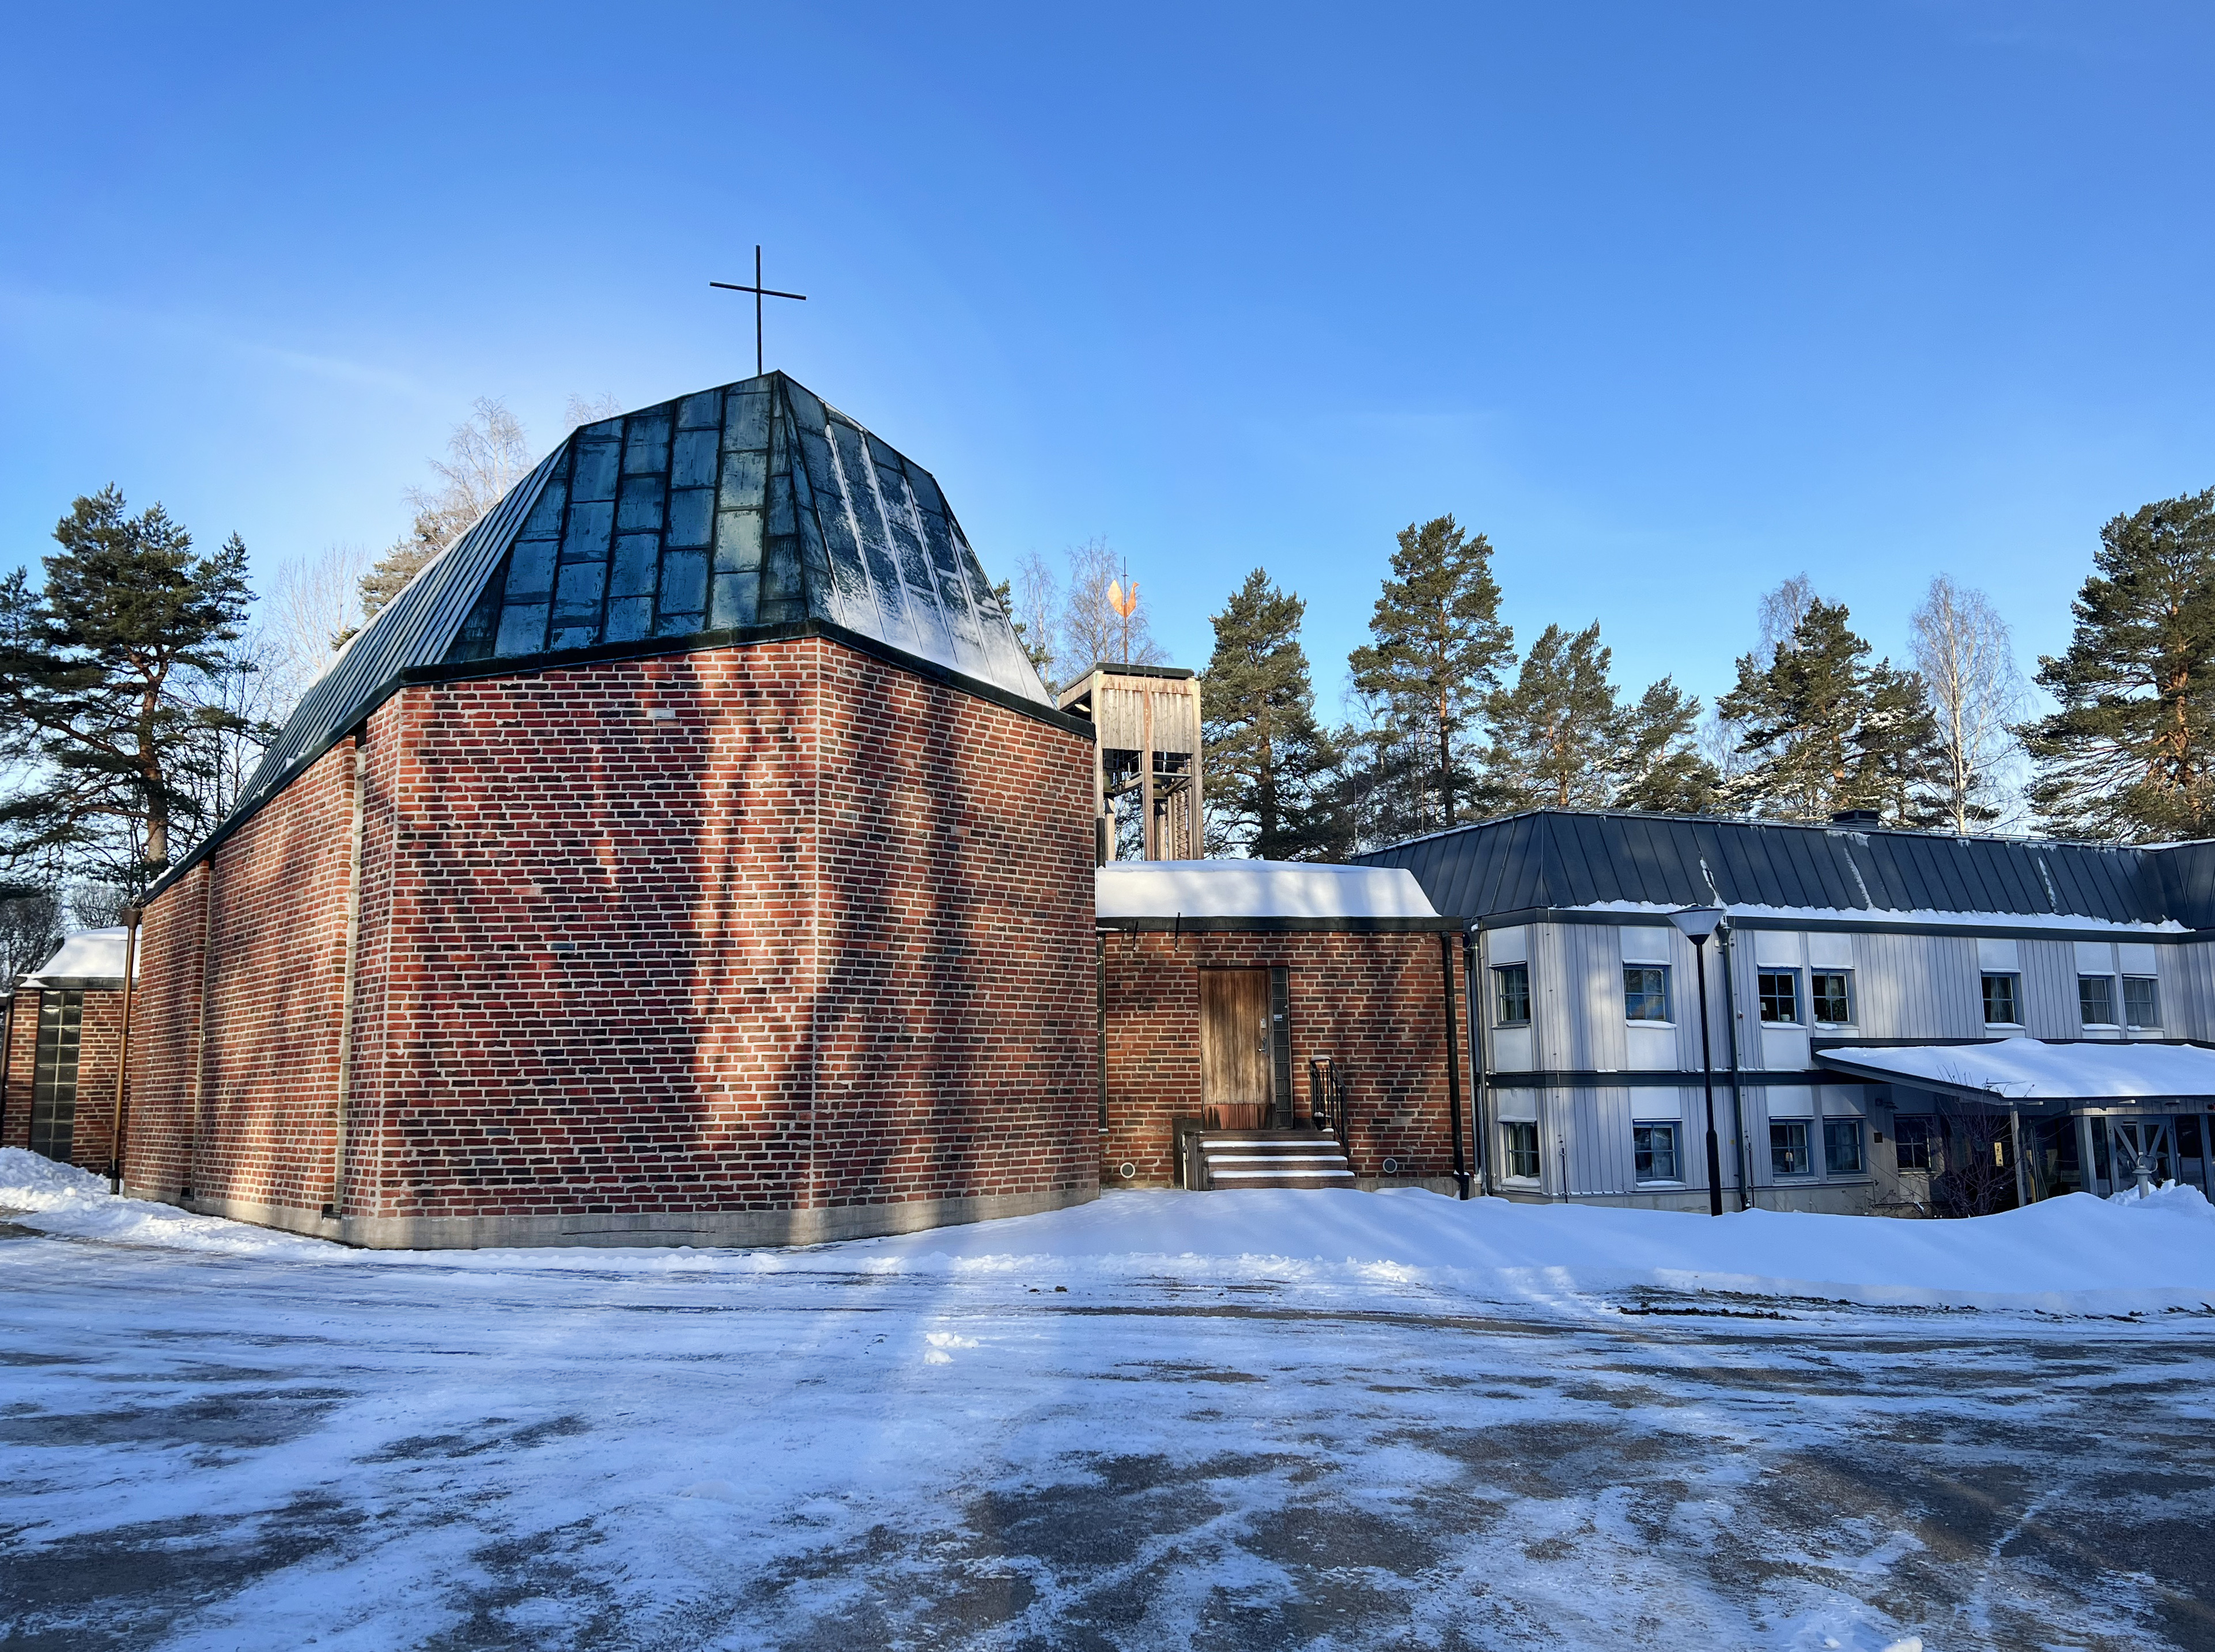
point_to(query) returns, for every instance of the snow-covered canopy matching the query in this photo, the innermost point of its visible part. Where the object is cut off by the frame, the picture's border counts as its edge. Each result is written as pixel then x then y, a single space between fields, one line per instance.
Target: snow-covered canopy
pixel 89 958
pixel 2031 1070
pixel 1256 889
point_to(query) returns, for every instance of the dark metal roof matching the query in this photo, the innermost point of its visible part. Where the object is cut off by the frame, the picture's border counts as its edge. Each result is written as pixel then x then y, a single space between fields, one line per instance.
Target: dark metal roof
pixel 1562 858
pixel 749 506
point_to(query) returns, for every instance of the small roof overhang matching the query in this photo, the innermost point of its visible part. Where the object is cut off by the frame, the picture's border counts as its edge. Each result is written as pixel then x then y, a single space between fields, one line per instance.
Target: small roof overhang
pixel 1243 895
pixel 2037 1076
pixel 90 961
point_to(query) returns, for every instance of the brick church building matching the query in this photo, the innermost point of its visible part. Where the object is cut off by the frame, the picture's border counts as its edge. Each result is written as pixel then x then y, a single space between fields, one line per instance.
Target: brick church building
pixel 691 854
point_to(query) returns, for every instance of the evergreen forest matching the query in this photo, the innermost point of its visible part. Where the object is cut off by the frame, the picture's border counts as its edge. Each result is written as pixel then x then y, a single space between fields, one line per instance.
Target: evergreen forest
pixel 140 680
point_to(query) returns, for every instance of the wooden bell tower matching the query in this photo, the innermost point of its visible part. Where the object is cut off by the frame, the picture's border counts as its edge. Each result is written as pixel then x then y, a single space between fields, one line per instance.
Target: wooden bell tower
pixel 1146 760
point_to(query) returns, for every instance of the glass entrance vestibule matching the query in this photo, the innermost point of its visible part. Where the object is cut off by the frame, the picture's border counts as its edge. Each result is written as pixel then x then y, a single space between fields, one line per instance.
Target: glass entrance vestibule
pixel 2124 1146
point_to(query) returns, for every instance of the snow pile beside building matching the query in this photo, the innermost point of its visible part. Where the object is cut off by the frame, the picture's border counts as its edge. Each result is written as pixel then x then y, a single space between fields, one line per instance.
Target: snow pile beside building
pixel 2074 1255
pixel 35 1192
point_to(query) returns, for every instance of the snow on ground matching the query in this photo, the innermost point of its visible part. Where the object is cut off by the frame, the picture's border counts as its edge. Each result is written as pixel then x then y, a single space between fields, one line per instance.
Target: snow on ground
pixel 2074 1255
pixel 1210 1422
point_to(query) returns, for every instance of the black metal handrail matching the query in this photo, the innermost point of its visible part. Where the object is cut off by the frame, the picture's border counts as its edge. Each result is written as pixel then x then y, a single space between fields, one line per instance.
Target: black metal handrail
pixel 1330 1096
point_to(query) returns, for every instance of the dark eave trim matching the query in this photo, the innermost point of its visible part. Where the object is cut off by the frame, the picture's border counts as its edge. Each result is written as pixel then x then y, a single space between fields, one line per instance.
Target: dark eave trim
pixel 1968 928
pixel 651 647
pixel 1278 925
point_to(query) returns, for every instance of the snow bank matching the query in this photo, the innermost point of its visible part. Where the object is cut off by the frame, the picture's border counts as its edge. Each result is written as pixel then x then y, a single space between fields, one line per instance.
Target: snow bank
pixel 2075 1255
pixel 37 1193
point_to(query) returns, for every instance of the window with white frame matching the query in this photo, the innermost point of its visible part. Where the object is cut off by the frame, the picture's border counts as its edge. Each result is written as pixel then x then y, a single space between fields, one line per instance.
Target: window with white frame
pixel 1645 992
pixel 1778 991
pixel 1521 1142
pixel 2141 1001
pixel 2095 1000
pixel 1654 1153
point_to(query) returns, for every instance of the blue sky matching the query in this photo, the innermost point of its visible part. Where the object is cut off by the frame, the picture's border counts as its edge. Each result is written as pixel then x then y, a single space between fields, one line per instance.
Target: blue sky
pixel 1671 301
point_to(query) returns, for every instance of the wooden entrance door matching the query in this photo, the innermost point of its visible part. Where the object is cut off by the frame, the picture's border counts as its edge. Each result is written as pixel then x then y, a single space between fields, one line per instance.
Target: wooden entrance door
pixel 1233 1048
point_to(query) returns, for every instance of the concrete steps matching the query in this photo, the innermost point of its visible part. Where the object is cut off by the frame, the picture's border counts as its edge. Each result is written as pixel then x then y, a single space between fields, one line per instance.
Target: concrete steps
pixel 1273 1159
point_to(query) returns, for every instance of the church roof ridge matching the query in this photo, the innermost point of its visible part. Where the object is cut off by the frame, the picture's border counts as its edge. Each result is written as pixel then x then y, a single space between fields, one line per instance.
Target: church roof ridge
pixel 746 507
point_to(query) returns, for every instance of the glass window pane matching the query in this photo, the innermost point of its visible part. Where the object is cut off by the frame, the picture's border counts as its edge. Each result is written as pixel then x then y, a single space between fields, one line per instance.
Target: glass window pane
pixel 1788 1149
pixel 2003 1005
pixel 1522 1150
pixel 2141 1001
pixel 1912 1134
pixel 2095 1000
pixel 1512 994
pixel 1653 1150
pixel 1780 995
pixel 1645 992
pixel 1832 996
pixel 1842 1146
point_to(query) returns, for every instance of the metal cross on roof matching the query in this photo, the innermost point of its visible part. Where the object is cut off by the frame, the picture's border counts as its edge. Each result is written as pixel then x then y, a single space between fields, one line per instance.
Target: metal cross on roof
pixel 759 293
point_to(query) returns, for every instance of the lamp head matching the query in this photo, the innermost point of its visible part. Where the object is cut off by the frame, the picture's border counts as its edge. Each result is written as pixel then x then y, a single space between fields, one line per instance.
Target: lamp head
pixel 1697 923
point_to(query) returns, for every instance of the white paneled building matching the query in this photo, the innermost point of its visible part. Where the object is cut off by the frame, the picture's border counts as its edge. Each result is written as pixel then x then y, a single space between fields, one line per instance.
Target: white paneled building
pixel 1896 1022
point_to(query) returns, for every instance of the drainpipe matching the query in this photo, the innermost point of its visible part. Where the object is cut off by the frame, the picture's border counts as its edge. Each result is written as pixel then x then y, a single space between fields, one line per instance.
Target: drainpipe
pixel 1472 971
pixel 1453 1064
pixel 117 1117
pixel 7 1054
pixel 339 1116
pixel 1100 1015
pixel 1744 1153
pixel 191 1188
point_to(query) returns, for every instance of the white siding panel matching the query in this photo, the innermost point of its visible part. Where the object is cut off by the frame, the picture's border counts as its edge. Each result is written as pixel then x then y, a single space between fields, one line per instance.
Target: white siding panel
pixel 2095 958
pixel 1830 950
pixel 1779 948
pixel 2138 957
pixel 1784 1049
pixel 1661 1104
pixel 2001 957
pixel 1644 944
pixel 1650 1049
pixel 1511 1049
pixel 1509 946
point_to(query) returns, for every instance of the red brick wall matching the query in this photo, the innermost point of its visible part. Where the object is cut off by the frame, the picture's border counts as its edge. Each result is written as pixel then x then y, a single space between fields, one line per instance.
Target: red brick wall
pixel 957 1032
pixel 1373 1001
pixel 165 1039
pixel 99 1039
pixel 744 929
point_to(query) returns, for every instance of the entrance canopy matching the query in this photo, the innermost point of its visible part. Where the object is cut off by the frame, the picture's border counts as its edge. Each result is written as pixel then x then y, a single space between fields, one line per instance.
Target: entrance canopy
pixel 2038 1076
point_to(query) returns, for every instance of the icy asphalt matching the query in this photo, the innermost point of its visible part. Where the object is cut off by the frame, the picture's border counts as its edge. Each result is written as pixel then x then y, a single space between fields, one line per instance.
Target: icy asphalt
pixel 210 1451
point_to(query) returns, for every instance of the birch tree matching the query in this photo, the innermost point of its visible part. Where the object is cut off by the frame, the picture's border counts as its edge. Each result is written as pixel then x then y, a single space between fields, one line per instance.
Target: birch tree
pixel 1966 658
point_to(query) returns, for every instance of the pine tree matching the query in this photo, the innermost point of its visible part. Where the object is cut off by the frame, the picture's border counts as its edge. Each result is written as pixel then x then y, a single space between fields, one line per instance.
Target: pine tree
pixel 1563 737
pixel 1658 765
pixel 1555 730
pixel 110 682
pixel 1827 731
pixel 1269 766
pixel 2131 753
pixel 1437 653
pixel 1037 650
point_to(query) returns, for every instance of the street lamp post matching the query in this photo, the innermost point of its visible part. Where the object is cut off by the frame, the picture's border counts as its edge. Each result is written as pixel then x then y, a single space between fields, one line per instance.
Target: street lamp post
pixel 1697 923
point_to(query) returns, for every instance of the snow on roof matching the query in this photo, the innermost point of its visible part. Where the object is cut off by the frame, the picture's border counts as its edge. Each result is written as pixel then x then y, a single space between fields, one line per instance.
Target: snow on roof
pixel 89 955
pixel 2032 1070
pixel 1256 889
pixel 1864 915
